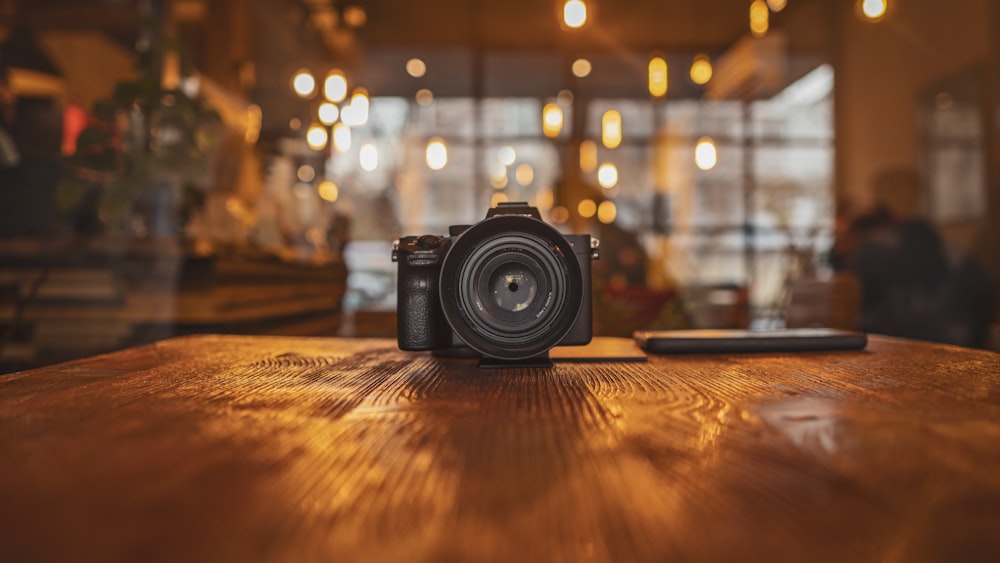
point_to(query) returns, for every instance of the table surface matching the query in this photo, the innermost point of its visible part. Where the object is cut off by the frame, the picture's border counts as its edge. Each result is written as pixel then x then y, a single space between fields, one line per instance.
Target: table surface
pixel 227 448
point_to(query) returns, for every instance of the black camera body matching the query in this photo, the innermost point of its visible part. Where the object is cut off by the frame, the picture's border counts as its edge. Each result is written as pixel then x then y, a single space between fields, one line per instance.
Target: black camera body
pixel 509 287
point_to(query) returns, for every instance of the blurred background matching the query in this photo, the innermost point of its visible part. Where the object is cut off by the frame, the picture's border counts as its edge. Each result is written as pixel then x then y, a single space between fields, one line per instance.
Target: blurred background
pixel 170 167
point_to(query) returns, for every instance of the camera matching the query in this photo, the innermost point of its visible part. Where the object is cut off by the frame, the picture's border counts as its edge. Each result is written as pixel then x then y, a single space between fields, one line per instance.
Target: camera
pixel 509 287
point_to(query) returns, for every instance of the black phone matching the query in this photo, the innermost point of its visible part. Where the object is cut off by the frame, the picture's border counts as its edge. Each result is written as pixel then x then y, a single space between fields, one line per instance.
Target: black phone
pixel 734 341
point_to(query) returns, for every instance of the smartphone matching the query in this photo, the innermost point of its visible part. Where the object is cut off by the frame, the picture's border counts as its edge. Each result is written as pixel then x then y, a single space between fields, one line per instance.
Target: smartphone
pixel 748 341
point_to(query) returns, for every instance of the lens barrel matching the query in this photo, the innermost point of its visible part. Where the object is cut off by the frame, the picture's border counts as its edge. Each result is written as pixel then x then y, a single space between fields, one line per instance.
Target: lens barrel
pixel 511 287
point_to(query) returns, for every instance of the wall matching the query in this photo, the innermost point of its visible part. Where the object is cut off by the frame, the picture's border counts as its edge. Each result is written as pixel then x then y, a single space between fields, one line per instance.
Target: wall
pixel 881 69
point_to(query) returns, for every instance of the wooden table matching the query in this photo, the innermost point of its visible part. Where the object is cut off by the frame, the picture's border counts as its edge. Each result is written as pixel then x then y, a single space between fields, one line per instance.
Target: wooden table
pixel 232 448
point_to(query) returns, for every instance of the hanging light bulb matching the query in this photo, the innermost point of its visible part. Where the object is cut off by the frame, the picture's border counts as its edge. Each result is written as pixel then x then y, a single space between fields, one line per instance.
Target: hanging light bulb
pixel 701 69
pixel 552 120
pixel 705 153
pixel 759 16
pixel 873 9
pixel 303 83
pixel 611 128
pixel 328 113
pixel 436 154
pixel 607 175
pixel 316 137
pixel 574 13
pixel 657 77
pixel 341 137
pixel 335 87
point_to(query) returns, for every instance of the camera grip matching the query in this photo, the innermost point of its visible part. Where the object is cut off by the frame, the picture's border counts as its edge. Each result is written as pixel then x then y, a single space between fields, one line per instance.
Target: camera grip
pixel 420 323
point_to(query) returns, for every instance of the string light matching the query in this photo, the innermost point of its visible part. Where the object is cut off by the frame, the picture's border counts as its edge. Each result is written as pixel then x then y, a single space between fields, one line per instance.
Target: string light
pixel 611 128
pixel 759 18
pixel 552 120
pixel 701 69
pixel 657 77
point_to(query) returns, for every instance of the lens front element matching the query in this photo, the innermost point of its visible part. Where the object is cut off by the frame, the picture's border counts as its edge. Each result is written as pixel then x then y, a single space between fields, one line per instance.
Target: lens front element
pixel 514 287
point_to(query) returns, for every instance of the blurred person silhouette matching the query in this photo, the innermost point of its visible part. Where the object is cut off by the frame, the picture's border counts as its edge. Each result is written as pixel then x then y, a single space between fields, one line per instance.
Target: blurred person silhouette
pixel 909 287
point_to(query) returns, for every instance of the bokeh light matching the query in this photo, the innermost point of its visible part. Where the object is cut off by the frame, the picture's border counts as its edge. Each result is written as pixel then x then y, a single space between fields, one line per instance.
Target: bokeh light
pixel 303 83
pixel 607 175
pixel 436 154
pixel 416 67
pixel 586 208
pixel 705 154
pixel 316 137
pixel 574 13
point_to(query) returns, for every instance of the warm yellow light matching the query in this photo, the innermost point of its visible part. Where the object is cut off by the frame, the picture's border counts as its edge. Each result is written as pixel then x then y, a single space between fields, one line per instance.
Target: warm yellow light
pixel 559 214
pixel 574 13
pixel 356 114
pixel 295 124
pixel 607 175
pixel 498 198
pixel 306 173
pixel 657 77
pixel 874 9
pixel 581 68
pixel 777 5
pixel 316 137
pixel 355 16
pixel 552 120
pixel 303 83
pixel 759 15
pixel 328 113
pixel 328 191
pixel 606 212
pixel 335 86
pixel 611 128
pixel 424 97
pixel 507 156
pixel 436 154
pixel 586 208
pixel 588 156
pixel 524 174
pixel 368 157
pixel 499 182
pixel 341 137
pixel 545 199
pixel 701 69
pixel 416 68
pixel 705 153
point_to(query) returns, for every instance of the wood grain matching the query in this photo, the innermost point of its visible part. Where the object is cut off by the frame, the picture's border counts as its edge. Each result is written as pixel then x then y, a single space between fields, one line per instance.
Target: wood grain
pixel 226 448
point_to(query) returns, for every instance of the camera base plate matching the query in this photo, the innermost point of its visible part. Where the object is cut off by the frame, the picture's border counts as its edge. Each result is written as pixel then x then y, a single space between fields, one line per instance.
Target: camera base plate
pixel 542 361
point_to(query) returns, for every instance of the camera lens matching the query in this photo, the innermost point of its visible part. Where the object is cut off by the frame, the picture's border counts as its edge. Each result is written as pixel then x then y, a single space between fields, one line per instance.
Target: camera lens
pixel 514 287
pixel 511 287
